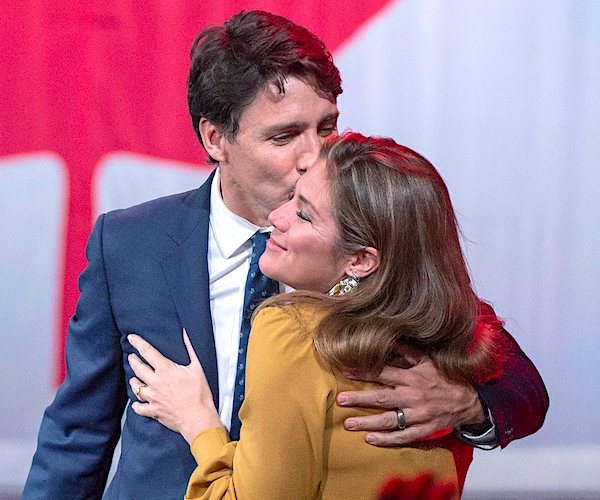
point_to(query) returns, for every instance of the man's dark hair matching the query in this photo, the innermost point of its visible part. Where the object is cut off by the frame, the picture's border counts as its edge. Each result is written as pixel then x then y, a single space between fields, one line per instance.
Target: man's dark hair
pixel 233 62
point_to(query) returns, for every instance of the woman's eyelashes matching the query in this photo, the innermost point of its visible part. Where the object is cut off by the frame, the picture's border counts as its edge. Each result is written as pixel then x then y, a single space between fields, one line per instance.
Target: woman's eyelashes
pixel 302 216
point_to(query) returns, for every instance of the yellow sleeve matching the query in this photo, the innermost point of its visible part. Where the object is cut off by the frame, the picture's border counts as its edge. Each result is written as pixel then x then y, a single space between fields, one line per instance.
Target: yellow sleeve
pixel 288 393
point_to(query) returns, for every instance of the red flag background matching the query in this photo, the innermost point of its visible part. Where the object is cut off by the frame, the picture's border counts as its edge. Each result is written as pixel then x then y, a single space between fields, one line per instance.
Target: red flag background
pixel 85 79
pixel 503 97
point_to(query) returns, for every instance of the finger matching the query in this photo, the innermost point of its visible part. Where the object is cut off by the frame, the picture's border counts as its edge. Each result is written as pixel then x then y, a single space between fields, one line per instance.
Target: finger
pixel 363 377
pixel 408 353
pixel 140 390
pixel 142 409
pixel 147 350
pixel 395 438
pixel 411 434
pixel 374 398
pixel 141 369
pixel 380 422
pixel 392 376
pixel 398 377
pixel 134 383
pixel 190 348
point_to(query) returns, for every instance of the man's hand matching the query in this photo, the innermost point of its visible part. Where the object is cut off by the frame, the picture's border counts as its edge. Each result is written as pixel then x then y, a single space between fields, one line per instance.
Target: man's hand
pixel 430 403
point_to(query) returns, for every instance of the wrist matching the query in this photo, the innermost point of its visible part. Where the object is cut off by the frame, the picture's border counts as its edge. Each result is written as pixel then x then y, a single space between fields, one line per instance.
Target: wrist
pixel 480 425
pixel 474 412
pixel 202 422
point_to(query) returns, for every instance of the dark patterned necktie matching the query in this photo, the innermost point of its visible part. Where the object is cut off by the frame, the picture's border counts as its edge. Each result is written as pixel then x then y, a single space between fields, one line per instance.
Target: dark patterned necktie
pixel 258 288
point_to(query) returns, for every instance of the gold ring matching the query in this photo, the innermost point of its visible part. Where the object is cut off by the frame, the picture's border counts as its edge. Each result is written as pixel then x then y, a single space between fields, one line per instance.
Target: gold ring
pixel 137 393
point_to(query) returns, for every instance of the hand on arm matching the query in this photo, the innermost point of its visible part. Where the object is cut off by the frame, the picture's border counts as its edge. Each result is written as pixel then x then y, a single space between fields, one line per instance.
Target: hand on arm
pixel 177 396
pixel 517 401
pixel 430 403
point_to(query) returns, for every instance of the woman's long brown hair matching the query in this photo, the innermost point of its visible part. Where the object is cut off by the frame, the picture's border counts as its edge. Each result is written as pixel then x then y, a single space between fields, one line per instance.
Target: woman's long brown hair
pixel 388 197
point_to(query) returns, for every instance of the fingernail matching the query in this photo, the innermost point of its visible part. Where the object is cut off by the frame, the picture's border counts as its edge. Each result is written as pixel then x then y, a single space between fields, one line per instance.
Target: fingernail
pixel 370 438
pixel 342 399
pixel 350 424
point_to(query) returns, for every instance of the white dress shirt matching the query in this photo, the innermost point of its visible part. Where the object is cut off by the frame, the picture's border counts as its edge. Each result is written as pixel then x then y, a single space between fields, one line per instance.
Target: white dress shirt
pixel 229 250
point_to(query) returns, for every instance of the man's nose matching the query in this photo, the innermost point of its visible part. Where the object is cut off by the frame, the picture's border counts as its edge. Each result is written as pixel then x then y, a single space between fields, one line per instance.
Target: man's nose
pixel 311 148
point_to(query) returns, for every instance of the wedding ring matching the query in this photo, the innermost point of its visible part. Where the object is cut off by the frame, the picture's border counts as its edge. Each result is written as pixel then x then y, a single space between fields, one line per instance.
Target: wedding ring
pixel 141 386
pixel 401 419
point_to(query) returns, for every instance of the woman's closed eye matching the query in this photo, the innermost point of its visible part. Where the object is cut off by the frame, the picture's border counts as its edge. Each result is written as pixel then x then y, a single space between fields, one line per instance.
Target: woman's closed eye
pixel 302 216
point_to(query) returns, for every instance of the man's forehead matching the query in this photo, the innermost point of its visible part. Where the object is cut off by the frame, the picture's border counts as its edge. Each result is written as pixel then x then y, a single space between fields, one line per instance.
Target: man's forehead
pixel 276 92
pixel 272 109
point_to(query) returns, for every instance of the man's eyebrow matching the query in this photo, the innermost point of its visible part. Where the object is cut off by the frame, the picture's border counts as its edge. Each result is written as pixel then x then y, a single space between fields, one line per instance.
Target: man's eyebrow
pixel 298 125
pixel 330 117
pixel 281 127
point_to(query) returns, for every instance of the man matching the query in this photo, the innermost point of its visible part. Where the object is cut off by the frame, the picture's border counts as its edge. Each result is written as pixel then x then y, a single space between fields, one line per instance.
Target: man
pixel 262 95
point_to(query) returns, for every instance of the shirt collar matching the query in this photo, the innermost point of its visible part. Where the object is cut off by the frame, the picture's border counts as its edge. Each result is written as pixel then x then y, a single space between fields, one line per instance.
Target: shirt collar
pixel 231 232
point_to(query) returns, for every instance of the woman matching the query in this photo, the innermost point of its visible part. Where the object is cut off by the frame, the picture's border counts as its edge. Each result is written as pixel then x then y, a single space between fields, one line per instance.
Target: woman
pixel 370 242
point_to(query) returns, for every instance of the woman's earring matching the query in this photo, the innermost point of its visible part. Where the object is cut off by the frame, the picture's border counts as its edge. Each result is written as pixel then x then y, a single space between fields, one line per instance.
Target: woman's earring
pixel 345 286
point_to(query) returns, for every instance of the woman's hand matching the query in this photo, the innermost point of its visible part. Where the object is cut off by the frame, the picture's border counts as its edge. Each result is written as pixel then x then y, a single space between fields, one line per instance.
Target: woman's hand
pixel 177 396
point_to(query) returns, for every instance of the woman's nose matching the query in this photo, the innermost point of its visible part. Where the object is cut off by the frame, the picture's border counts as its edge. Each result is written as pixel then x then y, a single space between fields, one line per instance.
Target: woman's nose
pixel 275 217
pixel 278 219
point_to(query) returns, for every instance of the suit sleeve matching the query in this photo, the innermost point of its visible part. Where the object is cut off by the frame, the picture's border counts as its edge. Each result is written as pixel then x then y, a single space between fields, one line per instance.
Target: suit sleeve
pixel 518 399
pixel 81 427
pixel 280 452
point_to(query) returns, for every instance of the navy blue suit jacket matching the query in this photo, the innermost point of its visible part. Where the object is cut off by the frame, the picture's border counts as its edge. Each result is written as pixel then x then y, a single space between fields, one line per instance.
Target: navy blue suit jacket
pixel 147 273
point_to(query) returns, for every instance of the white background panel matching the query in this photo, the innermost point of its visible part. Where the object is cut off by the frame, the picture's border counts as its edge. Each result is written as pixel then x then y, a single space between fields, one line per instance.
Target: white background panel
pixel 32 207
pixel 504 98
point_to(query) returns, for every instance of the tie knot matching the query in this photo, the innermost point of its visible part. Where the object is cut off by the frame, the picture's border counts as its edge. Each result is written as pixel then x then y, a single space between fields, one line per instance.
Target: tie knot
pixel 259 243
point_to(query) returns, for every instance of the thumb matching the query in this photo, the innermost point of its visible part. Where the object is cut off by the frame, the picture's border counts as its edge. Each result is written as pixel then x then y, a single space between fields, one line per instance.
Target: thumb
pixel 190 349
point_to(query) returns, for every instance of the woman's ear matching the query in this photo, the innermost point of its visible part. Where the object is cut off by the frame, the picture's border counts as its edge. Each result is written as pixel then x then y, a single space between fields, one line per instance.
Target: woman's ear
pixel 213 139
pixel 363 262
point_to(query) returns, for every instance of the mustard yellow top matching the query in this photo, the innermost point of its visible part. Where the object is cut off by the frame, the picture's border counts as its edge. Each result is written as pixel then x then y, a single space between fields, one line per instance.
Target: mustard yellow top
pixel 292 443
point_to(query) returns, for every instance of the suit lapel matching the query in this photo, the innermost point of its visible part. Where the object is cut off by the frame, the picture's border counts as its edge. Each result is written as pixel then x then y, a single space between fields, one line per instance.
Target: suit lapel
pixel 186 271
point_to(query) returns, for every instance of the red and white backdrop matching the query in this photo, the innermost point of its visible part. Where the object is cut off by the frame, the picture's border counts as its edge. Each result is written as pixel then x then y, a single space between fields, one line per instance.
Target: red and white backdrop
pixel 503 97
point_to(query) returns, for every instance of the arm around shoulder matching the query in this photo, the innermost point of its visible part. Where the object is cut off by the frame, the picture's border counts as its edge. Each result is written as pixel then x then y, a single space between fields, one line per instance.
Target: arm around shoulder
pixel 518 399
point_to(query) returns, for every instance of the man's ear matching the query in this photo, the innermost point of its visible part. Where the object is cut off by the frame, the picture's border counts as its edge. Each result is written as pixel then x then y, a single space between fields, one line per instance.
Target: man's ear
pixel 213 140
pixel 363 262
